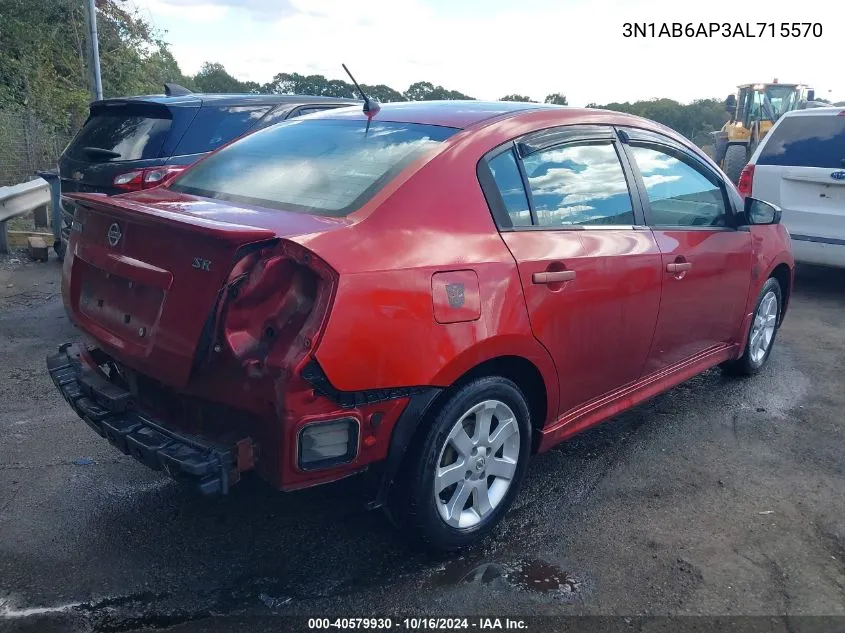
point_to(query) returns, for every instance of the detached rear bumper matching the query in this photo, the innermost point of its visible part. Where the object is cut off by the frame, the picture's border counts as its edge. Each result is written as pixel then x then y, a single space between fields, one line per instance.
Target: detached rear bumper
pixel 110 411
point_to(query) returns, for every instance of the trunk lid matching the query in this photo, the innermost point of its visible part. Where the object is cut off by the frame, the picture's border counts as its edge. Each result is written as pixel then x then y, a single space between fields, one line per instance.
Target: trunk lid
pixel 144 271
pixel 813 201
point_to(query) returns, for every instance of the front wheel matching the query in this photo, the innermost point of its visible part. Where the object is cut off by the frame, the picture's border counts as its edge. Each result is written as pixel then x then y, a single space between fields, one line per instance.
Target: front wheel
pixel 761 335
pixel 464 475
pixel 736 156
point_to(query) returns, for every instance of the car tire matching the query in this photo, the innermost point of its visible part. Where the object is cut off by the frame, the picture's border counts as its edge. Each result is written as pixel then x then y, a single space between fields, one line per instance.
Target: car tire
pixel 762 333
pixel 720 146
pixel 454 489
pixel 736 156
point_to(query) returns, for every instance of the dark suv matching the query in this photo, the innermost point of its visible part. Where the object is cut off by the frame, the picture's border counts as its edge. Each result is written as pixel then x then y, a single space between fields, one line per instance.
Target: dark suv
pixel 134 143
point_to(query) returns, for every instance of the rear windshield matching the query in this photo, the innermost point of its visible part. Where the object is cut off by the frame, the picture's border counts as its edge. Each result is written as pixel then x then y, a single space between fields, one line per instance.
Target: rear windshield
pixel 214 126
pixel 121 134
pixel 806 141
pixel 319 166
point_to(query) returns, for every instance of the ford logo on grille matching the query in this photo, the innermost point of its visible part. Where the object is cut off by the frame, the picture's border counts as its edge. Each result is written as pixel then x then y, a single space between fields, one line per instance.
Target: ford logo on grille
pixel 114 234
pixel 838 175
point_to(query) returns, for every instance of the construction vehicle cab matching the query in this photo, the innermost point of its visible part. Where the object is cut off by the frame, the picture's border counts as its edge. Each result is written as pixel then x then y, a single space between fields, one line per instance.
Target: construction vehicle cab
pixel 753 111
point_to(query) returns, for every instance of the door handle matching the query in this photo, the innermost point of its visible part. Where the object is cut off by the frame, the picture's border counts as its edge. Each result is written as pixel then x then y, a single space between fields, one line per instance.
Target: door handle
pixel 553 277
pixel 678 267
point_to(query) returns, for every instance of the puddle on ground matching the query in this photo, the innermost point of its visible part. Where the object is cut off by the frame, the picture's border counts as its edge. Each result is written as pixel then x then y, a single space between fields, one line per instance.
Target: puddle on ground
pixel 525 575
pixel 537 575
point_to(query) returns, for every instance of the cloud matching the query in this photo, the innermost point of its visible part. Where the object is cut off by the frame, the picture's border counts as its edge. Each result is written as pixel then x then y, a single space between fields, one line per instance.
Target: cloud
pixel 585 173
pixel 577 213
pixel 165 11
pixel 575 47
pixel 264 9
pixel 649 160
pixel 658 179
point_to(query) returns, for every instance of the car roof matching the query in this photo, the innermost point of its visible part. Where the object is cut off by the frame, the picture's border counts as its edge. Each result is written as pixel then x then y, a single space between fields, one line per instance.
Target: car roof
pixel 824 111
pixel 466 114
pixel 202 98
pixel 453 113
pixel 771 84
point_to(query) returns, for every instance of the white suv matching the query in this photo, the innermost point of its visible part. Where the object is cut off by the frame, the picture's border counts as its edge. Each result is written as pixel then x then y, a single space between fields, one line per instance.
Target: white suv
pixel 800 166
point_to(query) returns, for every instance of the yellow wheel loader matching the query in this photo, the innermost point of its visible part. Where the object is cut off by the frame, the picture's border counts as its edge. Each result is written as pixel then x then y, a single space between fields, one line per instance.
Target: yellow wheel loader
pixel 753 111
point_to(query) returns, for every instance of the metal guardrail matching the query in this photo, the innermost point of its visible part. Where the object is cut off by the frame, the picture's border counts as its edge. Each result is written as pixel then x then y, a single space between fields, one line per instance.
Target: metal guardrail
pixel 19 199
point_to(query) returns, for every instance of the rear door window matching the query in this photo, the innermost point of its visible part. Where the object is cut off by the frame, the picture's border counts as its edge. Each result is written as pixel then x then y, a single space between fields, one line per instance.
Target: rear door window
pixel 505 172
pixel 216 125
pixel 579 184
pixel 320 166
pixel 806 141
pixel 121 133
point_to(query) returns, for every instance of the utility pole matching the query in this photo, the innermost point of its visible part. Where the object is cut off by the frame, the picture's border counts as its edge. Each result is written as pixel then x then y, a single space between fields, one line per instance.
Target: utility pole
pixel 93 50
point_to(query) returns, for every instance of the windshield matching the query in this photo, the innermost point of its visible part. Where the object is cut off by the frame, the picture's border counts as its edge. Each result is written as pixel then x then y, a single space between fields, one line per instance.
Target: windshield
pixel 781 99
pixel 320 166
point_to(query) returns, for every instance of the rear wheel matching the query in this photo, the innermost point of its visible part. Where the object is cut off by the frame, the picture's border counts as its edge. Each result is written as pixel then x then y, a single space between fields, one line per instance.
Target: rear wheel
pixel 761 335
pixel 465 473
pixel 720 146
pixel 736 156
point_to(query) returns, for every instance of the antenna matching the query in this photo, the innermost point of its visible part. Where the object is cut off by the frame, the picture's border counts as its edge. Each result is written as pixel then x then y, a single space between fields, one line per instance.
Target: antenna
pixel 370 106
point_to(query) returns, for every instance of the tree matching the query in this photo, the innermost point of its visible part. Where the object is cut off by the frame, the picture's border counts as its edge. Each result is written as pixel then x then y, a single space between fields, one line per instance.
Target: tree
pixel 382 93
pixel 419 91
pixel 213 77
pixel 339 88
pixel 294 83
pixel 516 97
pixel 426 91
pixel 450 95
pixel 557 98
pixel 692 120
pixel 43 65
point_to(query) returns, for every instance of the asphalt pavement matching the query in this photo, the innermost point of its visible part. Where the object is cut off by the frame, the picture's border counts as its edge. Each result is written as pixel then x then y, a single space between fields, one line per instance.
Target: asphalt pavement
pixel 720 497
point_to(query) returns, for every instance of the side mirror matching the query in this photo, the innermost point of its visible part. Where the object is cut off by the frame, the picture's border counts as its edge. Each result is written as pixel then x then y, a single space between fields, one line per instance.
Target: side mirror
pixel 730 103
pixel 760 212
pixel 811 95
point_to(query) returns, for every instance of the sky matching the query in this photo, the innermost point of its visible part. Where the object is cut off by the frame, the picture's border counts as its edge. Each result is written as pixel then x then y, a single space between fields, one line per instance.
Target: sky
pixel 491 48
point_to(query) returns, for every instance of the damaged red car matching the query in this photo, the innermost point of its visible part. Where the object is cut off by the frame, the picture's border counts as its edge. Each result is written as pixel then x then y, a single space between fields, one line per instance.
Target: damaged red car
pixel 430 291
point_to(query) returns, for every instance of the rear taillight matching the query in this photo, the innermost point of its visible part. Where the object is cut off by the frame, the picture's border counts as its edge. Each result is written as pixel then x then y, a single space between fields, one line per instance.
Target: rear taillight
pixel 275 305
pixel 131 180
pixel 160 175
pixel 138 179
pixel 746 179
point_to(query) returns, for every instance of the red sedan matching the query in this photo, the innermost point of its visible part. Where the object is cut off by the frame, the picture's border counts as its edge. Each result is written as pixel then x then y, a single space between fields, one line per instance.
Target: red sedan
pixel 434 291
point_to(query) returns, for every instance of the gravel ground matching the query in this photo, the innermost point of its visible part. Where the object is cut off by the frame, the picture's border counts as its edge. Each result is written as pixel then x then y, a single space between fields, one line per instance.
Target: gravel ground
pixel 721 497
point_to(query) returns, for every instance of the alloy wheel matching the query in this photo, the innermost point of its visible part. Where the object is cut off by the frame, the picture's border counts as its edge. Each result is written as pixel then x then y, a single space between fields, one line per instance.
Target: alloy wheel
pixel 763 328
pixel 477 464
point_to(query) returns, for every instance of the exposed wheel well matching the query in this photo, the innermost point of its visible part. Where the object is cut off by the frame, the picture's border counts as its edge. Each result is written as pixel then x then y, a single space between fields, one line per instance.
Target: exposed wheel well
pixel 523 373
pixel 782 275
